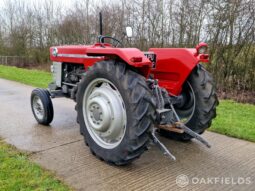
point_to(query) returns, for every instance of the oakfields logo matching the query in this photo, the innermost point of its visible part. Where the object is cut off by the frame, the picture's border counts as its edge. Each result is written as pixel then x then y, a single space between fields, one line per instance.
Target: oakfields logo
pixel 183 180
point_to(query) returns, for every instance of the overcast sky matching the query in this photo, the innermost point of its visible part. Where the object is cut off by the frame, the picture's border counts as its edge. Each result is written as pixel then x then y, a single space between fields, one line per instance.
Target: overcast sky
pixel 65 3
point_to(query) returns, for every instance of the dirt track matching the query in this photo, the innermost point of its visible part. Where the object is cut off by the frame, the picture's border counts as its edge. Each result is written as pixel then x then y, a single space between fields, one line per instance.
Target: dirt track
pixel 60 148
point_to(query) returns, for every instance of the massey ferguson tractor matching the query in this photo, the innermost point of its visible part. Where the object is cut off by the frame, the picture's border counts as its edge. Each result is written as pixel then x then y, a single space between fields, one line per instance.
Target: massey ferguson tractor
pixel 125 98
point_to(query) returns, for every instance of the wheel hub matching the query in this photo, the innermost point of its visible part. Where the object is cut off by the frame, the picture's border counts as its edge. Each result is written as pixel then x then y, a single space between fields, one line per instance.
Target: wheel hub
pixel 104 113
pixel 99 112
pixel 96 112
pixel 38 107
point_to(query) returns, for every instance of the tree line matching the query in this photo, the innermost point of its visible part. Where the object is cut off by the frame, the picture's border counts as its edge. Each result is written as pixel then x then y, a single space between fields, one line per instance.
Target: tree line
pixel 228 26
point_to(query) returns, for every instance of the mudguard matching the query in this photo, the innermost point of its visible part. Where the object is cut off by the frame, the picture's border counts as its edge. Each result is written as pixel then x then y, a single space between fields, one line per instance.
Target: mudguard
pixel 132 56
pixel 174 65
pixel 126 54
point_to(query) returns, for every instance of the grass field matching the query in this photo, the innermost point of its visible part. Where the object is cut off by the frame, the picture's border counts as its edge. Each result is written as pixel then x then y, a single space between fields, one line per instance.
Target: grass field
pixel 17 172
pixel 235 120
pixel 30 77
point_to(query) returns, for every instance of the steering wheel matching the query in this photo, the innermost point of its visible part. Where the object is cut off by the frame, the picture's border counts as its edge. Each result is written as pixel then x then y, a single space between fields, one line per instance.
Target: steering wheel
pixel 115 42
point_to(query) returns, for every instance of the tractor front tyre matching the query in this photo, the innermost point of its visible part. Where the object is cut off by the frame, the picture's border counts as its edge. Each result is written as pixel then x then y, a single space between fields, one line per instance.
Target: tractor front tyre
pixel 116 110
pixel 199 107
pixel 41 105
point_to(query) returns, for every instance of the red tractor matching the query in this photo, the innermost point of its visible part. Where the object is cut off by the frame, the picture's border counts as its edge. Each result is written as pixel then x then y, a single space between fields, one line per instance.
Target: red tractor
pixel 123 95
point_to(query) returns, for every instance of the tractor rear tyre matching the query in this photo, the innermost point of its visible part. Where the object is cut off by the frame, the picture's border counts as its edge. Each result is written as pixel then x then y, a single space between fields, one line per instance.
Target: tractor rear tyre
pixel 199 107
pixel 41 105
pixel 116 110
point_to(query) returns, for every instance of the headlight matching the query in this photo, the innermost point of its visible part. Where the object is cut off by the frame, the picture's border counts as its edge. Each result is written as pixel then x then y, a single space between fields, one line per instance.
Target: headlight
pixel 55 51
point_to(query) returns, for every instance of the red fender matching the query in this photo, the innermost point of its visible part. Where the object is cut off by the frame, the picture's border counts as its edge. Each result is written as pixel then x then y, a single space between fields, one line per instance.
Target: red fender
pixel 174 65
pixel 131 56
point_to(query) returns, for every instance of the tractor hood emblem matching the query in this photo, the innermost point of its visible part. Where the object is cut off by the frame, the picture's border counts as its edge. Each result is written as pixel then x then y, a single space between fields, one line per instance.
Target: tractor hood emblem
pixel 55 51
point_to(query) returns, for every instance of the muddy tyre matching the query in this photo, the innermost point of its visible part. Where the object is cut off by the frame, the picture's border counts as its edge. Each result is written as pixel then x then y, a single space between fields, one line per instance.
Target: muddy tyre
pixel 199 108
pixel 116 111
pixel 42 107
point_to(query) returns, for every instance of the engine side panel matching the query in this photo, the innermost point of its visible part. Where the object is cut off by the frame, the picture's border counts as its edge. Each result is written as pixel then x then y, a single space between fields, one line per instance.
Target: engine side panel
pixel 173 66
pixel 56 69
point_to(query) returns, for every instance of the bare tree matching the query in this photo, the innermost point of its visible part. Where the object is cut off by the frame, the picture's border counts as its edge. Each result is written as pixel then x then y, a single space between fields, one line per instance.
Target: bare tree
pixel 29 30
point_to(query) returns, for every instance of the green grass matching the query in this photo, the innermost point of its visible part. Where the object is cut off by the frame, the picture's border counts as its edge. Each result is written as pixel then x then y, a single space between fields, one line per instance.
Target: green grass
pixel 30 77
pixel 17 172
pixel 235 120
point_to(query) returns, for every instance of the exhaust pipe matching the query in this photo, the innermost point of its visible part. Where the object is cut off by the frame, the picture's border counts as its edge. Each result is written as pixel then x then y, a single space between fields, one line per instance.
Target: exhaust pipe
pixel 101 25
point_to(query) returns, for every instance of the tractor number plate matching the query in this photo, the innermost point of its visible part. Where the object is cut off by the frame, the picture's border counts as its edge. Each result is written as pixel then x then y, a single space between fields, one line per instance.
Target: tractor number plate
pixel 152 57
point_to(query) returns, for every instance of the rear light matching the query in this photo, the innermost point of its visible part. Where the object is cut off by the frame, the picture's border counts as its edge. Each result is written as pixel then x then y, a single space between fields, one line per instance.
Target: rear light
pixel 204 57
pixel 136 59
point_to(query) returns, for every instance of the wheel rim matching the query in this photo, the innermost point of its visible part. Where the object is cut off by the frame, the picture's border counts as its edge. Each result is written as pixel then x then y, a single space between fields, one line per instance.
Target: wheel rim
pixel 187 111
pixel 104 113
pixel 38 107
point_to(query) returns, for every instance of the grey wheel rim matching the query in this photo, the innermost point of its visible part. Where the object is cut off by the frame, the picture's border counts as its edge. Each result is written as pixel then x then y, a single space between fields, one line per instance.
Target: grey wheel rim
pixel 186 115
pixel 38 107
pixel 104 113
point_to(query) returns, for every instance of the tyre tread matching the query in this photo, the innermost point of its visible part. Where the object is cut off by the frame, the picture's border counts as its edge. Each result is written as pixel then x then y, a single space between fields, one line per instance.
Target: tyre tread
pixel 142 107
